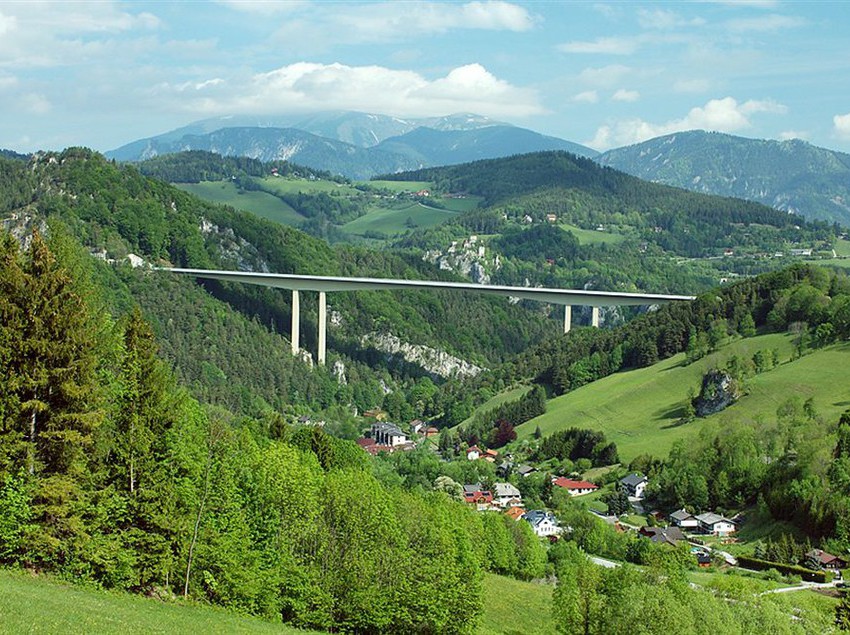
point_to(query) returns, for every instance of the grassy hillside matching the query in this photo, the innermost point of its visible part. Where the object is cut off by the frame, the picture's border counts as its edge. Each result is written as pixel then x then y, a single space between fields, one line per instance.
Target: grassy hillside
pixel 257 202
pixel 639 409
pixel 41 605
pixel 512 607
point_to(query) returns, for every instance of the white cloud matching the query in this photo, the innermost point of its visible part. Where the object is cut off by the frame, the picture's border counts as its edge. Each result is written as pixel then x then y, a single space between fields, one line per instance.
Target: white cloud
pixel 349 23
pixel 764 24
pixel 626 95
pixel 842 126
pixel 305 86
pixel 605 76
pixel 36 104
pixel 603 46
pixel 762 4
pixel 664 19
pixel 722 115
pixel 587 97
pixel 264 7
pixel 8 81
pixel 787 135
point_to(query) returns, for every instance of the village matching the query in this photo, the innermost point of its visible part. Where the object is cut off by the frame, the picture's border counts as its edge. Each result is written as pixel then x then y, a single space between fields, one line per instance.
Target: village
pixel 709 535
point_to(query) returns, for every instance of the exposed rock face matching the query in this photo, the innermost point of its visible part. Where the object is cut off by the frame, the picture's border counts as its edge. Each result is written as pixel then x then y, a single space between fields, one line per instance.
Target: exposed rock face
pixel 468 258
pixel 21 226
pixel 432 360
pixel 719 390
pixel 234 248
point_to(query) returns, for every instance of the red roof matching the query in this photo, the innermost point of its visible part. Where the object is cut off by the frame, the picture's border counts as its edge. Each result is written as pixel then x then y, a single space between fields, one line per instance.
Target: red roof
pixel 569 484
pixel 473 448
pixel 514 512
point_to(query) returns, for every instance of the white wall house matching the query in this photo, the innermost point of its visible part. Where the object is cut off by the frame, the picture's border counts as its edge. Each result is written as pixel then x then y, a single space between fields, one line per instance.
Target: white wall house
pixel 715 524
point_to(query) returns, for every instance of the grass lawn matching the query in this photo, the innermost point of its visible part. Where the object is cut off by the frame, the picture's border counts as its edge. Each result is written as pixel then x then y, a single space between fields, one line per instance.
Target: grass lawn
pixel 842 247
pixel 40 604
pixel 259 203
pixel 293 186
pixel 639 409
pixel 844 263
pixel 593 237
pixel 392 218
pixel 513 607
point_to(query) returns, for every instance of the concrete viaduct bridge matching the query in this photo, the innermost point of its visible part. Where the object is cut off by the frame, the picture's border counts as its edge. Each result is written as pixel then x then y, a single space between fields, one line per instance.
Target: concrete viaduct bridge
pixel 325 284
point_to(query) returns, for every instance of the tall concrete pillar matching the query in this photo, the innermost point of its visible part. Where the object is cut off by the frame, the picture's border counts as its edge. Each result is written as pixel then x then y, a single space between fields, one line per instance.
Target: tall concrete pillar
pixel 295 333
pixel 568 318
pixel 323 326
pixel 594 316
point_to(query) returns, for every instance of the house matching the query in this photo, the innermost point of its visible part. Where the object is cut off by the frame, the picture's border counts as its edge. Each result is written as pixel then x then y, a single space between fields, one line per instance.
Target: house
pixel 475 494
pixel 525 470
pixel 684 520
pixel 490 455
pixel 634 485
pixel 504 468
pixel 820 559
pixel 663 535
pixel 387 434
pixel 473 453
pixel 703 559
pixel 575 488
pixel 423 193
pixel 551 218
pixel 431 431
pixel 514 513
pixel 373 448
pixel 418 426
pixel 506 495
pixel 543 523
pixel 711 523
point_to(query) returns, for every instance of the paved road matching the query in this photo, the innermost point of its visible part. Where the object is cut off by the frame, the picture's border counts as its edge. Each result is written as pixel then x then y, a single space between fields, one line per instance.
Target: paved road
pixel 602 562
pixel 801 587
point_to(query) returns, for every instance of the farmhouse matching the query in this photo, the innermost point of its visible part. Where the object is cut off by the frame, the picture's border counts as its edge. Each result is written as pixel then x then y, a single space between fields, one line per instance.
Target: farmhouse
pixel 475 494
pixel 663 535
pixel 711 523
pixel 575 488
pixel 473 453
pixel 634 485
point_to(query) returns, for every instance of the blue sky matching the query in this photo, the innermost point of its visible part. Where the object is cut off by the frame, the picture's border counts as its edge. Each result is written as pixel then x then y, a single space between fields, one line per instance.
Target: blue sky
pixel 605 74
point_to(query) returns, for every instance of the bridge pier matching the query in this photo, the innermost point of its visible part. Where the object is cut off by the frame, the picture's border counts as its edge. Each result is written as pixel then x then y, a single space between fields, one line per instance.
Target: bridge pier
pixel 295 332
pixel 594 317
pixel 568 318
pixel 323 327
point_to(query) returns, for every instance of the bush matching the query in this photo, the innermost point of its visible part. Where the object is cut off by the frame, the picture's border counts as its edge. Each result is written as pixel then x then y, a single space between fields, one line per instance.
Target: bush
pixel 788 569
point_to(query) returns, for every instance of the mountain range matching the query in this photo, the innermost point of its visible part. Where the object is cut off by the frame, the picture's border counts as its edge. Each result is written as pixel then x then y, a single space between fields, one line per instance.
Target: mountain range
pixel 792 175
pixel 355 145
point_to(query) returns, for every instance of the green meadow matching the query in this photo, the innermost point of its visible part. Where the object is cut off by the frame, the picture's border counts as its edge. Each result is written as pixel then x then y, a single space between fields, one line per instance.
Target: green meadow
pixel 514 607
pixel 38 604
pixel 593 237
pixel 640 409
pixel 396 218
pixel 257 202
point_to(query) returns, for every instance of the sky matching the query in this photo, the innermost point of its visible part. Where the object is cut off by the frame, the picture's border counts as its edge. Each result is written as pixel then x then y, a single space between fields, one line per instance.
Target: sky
pixel 604 74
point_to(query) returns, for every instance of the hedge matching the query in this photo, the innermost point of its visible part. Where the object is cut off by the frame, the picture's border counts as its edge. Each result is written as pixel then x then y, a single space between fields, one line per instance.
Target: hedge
pixel 787 569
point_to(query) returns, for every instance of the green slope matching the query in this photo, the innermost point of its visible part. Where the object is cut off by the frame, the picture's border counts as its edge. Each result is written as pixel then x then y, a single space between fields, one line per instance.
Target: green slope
pixel 257 202
pixel 513 607
pixel 639 409
pixel 31 604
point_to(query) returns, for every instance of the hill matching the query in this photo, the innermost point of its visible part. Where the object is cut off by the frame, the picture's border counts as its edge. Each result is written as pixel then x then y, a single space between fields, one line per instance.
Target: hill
pixel 792 176
pixel 641 410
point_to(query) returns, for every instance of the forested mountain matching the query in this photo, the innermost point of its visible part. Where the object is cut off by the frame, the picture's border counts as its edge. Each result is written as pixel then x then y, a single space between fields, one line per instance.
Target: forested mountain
pixel 792 176
pixel 215 349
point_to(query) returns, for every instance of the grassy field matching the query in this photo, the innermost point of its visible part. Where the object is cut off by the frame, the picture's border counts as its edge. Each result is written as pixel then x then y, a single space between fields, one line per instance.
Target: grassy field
pixel 393 218
pixel 259 203
pixel 639 409
pixel 31 604
pixel 593 237
pixel 842 247
pixel 293 186
pixel 512 607
pixel 399 186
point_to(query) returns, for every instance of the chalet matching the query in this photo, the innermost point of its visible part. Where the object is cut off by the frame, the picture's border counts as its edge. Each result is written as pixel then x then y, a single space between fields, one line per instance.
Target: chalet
pixel 575 488
pixel 703 559
pixel 684 520
pixel 504 468
pixel 473 453
pixel 431 431
pixel 820 559
pixel 543 523
pixel 711 523
pixel 663 535
pixel 506 495
pixel 475 494
pixel 551 218
pixel 634 485
pixel 514 513
pixel 387 434
pixel 418 426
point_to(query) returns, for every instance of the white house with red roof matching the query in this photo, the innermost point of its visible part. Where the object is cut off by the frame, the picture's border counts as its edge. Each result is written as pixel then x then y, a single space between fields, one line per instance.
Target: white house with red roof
pixel 575 488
